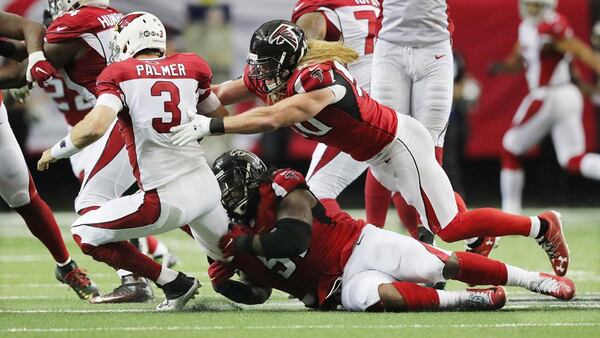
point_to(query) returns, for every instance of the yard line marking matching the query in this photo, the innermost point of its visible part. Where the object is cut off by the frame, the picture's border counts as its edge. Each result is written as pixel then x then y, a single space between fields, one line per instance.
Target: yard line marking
pixel 296 327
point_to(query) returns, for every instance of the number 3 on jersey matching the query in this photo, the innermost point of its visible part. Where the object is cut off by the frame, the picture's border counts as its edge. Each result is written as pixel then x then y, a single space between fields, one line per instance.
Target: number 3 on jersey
pixel 170 106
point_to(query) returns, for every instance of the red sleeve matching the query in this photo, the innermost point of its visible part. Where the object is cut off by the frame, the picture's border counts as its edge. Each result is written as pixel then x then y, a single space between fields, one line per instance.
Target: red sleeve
pixel 69 26
pixel 311 78
pixel 557 28
pixel 286 181
pixel 247 81
pixel 107 83
pixel 203 75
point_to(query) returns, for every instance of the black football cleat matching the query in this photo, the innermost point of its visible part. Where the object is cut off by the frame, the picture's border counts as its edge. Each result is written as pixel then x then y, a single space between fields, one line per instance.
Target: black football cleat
pixel 178 293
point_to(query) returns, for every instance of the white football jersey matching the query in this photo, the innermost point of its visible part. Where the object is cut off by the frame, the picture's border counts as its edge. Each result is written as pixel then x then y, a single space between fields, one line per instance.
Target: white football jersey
pixel 355 22
pixel 156 95
pixel 415 22
pixel 544 66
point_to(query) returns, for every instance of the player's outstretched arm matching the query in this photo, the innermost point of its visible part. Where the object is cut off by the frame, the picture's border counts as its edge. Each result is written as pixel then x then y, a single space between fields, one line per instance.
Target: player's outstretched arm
pixel 295 109
pixel 87 131
pixel 18 28
pixel 231 92
pixel 579 50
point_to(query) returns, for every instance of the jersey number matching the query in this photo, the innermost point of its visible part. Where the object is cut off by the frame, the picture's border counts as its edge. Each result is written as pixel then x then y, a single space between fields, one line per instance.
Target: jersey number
pixel 283 266
pixel 312 127
pixel 59 94
pixel 371 18
pixel 170 106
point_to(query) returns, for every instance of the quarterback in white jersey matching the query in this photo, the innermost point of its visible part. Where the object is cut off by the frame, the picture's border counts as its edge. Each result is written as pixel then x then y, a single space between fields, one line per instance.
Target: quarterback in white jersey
pixel 356 23
pixel 150 93
pixel 554 104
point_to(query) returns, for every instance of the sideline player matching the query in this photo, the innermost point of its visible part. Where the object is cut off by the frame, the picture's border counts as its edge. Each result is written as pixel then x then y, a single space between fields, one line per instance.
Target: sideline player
pixel 16 185
pixel 355 23
pixel 307 88
pixel 554 104
pixel 289 243
pixel 176 184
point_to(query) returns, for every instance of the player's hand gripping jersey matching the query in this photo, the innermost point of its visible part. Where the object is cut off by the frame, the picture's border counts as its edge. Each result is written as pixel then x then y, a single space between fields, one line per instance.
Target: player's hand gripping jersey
pixel 355 124
pixel 311 275
pixel 155 94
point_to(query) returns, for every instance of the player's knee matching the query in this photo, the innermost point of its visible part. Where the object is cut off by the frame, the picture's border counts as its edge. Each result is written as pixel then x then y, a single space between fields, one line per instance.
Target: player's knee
pixel 19 199
pixel 323 191
pixel 85 248
pixel 448 233
pixel 511 146
pixel 390 299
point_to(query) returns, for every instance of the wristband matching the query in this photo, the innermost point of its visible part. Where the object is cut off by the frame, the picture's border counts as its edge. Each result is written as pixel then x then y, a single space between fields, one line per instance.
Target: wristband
pixel 216 126
pixel 64 148
pixel 7 49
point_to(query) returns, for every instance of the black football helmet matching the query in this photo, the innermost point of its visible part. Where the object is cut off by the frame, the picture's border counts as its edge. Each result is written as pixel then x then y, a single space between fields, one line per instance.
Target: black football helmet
pixel 239 173
pixel 275 50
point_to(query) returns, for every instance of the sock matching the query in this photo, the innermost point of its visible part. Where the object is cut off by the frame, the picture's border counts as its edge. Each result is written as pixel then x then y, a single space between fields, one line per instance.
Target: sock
pixel 377 201
pixel 331 206
pixel 449 299
pixel 535 227
pixel 122 255
pixel 65 263
pixel 485 222
pixel 479 270
pixel 590 166
pixel 511 187
pixel 408 215
pixel 42 224
pixel 166 276
pixel 519 277
pixel 416 297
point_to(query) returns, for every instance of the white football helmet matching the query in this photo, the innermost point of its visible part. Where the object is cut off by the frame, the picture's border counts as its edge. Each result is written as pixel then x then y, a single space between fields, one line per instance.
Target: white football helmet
pixel 59 7
pixel 138 31
pixel 548 7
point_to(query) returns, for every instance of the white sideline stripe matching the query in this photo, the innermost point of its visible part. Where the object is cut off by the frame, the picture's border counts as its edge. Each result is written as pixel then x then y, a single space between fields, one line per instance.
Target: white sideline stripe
pixel 295 327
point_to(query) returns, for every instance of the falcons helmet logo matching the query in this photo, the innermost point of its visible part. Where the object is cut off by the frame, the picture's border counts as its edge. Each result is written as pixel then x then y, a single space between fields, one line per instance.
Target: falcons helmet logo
pixel 284 34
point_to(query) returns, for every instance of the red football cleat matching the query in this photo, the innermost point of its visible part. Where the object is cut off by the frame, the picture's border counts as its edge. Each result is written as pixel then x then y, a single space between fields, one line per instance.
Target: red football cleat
pixel 554 243
pixel 484 246
pixel 555 286
pixel 484 299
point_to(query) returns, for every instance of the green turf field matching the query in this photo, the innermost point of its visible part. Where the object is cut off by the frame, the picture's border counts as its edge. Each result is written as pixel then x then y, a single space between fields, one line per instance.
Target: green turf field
pixel 33 304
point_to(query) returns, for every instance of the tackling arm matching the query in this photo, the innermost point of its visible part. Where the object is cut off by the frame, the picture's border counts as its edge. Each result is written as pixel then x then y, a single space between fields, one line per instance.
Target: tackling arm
pixel 294 109
pixel 231 92
pixel 18 28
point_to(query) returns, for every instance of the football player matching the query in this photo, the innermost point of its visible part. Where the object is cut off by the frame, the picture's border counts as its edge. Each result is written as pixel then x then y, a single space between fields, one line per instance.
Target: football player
pixel 356 24
pixel 79 43
pixel 554 104
pixel 177 186
pixel 286 240
pixel 16 186
pixel 306 86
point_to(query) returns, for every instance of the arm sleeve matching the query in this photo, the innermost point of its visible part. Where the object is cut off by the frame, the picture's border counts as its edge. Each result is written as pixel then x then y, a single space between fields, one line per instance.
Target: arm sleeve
pixel 290 237
pixel 556 29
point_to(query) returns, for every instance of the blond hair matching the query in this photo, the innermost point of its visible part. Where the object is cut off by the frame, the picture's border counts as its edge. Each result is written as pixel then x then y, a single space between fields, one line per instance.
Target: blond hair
pixel 320 51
